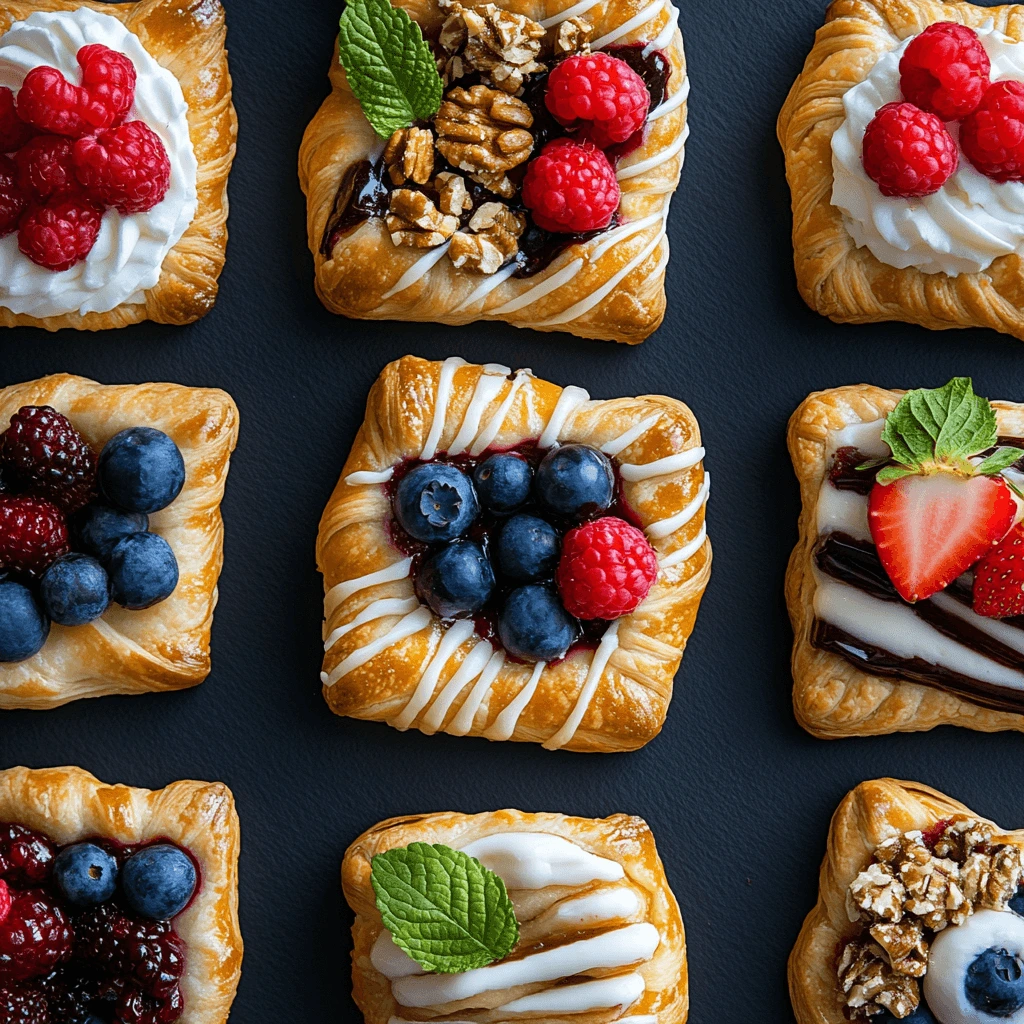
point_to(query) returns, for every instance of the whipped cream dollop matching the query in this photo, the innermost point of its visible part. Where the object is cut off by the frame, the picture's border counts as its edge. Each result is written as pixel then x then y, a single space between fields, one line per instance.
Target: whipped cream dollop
pixel 130 250
pixel 960 229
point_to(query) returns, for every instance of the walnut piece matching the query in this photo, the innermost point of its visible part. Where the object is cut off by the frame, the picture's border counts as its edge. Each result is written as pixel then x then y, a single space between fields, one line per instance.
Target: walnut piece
pixel 573 37
pixel 991 880
pixel 453 196
pixel 904 945
pixel 876 894
pixel 934 892
pixel 409 156
pixel 961 837
pixel 415 221
pixel 870 985
pixel 483 130
pixel 492 239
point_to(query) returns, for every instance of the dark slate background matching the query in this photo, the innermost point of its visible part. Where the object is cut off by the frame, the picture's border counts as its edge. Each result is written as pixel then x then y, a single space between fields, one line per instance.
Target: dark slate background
pixel 738 796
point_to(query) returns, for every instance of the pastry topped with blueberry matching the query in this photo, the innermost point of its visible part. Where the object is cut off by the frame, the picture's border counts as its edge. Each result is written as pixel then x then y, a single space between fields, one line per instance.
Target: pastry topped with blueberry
pixel 919 915
pixel 484 161
pixel 510 559
pixel 117 905
pixel 110 536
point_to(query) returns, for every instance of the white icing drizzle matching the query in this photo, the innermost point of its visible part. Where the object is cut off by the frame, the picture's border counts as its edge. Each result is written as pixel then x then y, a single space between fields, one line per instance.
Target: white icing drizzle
pixel 633 170
pixel 568 402
pixel 621 991
pixel 662 467
pixel 487 286
pixel 463 721
pixel 490 432
pixel 677 99
pixel 664 37
pixel 623 441
pixel 342 591
pixel 570 12
pixel 458 633
pixel 417 270
pixel 614 904
pixel 647 14
pixel 665 527
pixel 687 551
pixel 604 242
pixel 539 290
pixel 505 724
pixel 1006 635
pixel 637 1018
pixel 472 665
pixel 405 627
pixel 605 649
pixel 488 387
pixel 377 610
pixel 367 476
pixel 444 392
pixel 535 860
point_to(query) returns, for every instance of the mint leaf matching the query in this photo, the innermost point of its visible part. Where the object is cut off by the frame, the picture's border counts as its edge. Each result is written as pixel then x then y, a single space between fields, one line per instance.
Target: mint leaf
pixel 1000 459
pixel 388 64
pixel 443 907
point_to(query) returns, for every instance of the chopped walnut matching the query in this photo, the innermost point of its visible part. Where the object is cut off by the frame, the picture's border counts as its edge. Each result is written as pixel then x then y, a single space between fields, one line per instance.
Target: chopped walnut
pixel 934 892
pixel 453 196
pixel 990 880
pixel 904 945
pixel 961 837
pixel 492 239
pixel 573 37
pixel 876 894
pixel 414 220
pixel 869 984
pixel 409 156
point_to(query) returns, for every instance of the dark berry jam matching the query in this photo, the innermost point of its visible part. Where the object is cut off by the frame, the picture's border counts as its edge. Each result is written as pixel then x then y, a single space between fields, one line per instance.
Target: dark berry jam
pixel 654 68
pixel 361 194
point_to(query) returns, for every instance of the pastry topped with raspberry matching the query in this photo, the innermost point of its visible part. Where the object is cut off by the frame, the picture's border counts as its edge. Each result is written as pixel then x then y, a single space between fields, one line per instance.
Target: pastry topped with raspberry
pixel 117 905
pixel 513 560
pixel 100 169
pixel 500 167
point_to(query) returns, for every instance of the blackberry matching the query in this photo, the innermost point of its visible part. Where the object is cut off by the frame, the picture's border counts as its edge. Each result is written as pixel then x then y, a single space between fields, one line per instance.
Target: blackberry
pixel 26 857
pixel 72 998
pixel 135 1008
pixel 23 1006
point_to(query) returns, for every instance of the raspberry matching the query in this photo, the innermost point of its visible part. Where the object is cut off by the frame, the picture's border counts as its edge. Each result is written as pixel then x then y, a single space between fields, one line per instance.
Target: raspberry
pixel 945 70
pixel 600 93
pixel 44 166
pixel 60 234
pixel 109 78
pixel 34 937
pixel 126 167
pixel 26 857
pixel 33 534
pixel 13 200
pixel 908 152
pixel 992 137
pixel 606 569
pixel 14 133
pixel 571 187
pixel 23 1006
pixel 46 457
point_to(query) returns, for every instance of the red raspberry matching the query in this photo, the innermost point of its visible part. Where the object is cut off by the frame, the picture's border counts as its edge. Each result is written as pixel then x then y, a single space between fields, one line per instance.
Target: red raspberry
pixel 23 1006
pixel 34 937
pixel 51 103
pixel 48 458
pixel 126 167
pixel 13 200
pixel 14 133
pixel 571 187
pixel 60 234
pixel 992 137
pixel 44 166
pixel 32 534
pixel 606 569
pixel 945 70
pixel 600 93
pixel 26 857
pixel 109 78
pixel 908 152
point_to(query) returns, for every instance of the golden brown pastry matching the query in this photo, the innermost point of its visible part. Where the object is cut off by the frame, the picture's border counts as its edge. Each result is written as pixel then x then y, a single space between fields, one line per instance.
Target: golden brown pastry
pixel 611 287
pixel 913 886
pixel 68 805
pixel 167 646
pixel 592 902
pixel 188 40
pixel 389 658
pixel 981 283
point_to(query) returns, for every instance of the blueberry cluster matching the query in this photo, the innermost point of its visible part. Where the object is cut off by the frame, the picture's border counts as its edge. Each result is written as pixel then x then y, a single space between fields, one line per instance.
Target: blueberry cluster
pixel 114 557
pixel 493 537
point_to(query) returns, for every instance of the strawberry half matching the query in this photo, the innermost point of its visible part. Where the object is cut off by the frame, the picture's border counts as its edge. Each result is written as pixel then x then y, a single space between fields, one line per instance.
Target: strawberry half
pixel 930 529
pixel 999 578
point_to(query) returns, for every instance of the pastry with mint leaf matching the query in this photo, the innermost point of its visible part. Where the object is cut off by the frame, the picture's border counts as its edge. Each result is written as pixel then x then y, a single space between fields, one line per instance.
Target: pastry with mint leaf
pixel 906 590
pixel 505 914
pixel 473 163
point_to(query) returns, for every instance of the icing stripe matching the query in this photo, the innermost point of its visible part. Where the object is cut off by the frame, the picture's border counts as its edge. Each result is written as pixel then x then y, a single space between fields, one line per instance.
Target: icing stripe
pixel 664 37
pixel 570 12
pixel 344 590
pixel 622 232
pixel 623 441
pixel 676 100
pixel 538 291
pixel 687 551
pixel 412 623
pixel 416 271
pixel 377 610
pixel 646 15
pixel 444 391
pixel 633 170
pixel 490 432
pixel 453 639
pixel 472 665
pixel 488 286
pixel 568 402
pixel 366 476
pixel 488 387
pixel 621 991
pixel 664 527
pixel 505 724
pixel 463 721
pixel 662 467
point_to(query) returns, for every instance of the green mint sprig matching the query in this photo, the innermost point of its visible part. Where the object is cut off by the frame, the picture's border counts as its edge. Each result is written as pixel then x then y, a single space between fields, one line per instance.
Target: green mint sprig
pixel 389 65
pixel 444 908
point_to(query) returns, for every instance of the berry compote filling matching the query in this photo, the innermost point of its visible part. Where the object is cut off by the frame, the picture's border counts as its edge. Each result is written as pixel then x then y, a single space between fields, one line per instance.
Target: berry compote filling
pixel 86 930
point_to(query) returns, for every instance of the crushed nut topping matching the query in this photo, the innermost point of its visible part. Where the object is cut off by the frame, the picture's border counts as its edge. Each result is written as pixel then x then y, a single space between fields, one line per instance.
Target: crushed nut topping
pixel 415 221
pixel 870 984
pixel 876 894
pixel 492 239
pixel 409 156
pixel 573 37
pixel 904 945
pixel 453 196
pixel 990 880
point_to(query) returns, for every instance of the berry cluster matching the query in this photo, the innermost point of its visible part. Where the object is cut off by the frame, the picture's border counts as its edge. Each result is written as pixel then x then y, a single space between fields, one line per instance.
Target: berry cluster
pixel 945 75
pixel 85 930
pixel 64 553
pixel 67 154
pixel 521 544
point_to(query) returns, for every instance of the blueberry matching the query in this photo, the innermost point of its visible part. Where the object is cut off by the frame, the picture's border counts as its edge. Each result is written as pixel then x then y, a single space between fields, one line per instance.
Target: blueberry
pixel 575 480
pixel 435 503
pixel 1016 903
pixel 86 874
pixel 922 1015
pixel 141 470
pixel 503 482
pixel 456 581
pixel 24 626
pixel 143 571
pixel 98 528
pixel 528 549
pixel 158 881
pixel 75 590
pixel 534 626
pixel 995 983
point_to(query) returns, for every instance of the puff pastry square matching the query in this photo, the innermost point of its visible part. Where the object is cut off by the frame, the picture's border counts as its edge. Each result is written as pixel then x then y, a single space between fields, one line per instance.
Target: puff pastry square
pixel 837 279
pixel 69 804
pixel 390 659
pixel 611 287
pixel 166 647
pixel 187 37
pixel 832 697
pixel 634 901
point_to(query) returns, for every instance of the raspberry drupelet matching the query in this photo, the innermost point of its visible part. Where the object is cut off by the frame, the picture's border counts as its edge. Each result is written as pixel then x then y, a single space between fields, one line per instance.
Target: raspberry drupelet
pixel 908 152
pixel 571 187
pixel 945 70
pixel 992 137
